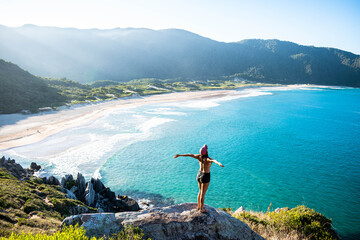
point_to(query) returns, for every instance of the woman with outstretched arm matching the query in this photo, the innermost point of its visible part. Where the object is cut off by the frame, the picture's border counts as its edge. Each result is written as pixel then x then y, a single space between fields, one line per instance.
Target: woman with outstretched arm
pixel 203 176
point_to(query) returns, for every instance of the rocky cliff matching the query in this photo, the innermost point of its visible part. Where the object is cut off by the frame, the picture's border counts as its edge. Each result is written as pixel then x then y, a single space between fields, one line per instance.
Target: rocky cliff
pixel 173 222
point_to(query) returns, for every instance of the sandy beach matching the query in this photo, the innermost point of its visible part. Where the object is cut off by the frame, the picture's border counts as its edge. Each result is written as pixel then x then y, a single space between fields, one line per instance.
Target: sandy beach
pixel 37 127
pixel 34 128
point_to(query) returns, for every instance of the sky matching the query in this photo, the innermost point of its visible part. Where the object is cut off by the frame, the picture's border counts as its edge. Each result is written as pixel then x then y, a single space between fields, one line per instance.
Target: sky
pixel 330 23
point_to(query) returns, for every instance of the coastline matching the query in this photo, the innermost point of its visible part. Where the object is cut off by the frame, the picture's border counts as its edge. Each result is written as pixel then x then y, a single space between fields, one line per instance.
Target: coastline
pixel 33 129
pixel 36 128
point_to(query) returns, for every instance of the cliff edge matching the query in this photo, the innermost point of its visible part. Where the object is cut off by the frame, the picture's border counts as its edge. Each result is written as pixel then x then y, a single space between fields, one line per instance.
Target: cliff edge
pixel 181 221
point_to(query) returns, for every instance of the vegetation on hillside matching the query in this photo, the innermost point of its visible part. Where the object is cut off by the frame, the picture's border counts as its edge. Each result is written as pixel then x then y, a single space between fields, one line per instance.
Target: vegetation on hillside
pixel 107 90
pixel 300 222
pixel 78 233
pixel 20 90
pixel 31 206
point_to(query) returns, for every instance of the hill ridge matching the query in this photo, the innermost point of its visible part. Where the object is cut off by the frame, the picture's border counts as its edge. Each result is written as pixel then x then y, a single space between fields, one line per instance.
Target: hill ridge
pixel 123 54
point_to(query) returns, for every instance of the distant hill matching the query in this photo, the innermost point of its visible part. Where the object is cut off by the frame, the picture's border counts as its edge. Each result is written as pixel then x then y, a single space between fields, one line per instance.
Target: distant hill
pixel 124 54
pixel 20 90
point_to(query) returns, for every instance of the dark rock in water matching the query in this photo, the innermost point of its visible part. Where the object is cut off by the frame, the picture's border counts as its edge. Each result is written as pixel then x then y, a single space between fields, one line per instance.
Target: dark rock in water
pixel 16 169
pixel 98 185
pixel 107 193
pixel 131 204
pixel 174 222
pixel 35 167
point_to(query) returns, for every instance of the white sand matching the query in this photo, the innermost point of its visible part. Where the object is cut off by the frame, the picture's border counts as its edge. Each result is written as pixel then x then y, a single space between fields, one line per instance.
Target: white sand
pixel 36 128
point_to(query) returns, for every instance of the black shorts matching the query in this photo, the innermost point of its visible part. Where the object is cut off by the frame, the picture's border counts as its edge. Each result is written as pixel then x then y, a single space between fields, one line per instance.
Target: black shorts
pixel 203 177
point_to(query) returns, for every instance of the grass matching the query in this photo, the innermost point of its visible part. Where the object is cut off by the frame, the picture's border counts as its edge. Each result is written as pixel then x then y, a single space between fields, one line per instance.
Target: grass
pixel 300 222
pixel 77 93
pixel 31 206
pixel 78 233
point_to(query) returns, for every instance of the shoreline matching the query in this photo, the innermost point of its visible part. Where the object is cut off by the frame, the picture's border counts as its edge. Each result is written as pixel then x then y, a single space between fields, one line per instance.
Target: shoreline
pixel 36 128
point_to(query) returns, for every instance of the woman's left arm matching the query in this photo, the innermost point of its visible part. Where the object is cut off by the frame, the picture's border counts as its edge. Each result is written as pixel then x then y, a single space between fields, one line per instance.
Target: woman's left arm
pixel 218 163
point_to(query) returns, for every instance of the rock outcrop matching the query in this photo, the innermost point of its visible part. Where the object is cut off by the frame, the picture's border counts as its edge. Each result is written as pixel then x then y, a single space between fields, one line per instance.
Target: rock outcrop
pixel 173 222
pixel 17 170
pixel 93 193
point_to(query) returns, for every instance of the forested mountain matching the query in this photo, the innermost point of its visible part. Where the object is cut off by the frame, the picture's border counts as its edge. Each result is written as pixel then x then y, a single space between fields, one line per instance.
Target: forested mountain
pixel 20 90
pixel 125 54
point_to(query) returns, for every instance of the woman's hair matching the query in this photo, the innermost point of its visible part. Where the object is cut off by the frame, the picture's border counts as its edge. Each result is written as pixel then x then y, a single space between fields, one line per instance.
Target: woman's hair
pixel 204 157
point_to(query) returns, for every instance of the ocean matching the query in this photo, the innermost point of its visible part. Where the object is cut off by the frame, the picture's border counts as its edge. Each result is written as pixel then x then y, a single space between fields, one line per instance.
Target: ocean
pixel 279 145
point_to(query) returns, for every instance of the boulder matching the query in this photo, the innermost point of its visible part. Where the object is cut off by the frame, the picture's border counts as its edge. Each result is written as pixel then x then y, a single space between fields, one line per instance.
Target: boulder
pixel 73 189
pixel 2 161
pixel 107 193
pixel 65 181
pixel 52 181
pixel 98 185
pixel 81 185
pixel 173 222
pixel 16 169
pixel 239 210
pixel 130 204
pixel 75 210
pixel 35 167
pixel 97 224
pixel 89 194
pixel 70 194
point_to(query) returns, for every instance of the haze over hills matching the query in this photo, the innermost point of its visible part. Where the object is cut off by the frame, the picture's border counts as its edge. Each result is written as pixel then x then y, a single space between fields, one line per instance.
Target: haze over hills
pixel 125 54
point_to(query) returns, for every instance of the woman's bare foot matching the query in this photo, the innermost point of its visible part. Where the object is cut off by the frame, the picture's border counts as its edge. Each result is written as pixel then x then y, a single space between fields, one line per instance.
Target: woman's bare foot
pixel 203 210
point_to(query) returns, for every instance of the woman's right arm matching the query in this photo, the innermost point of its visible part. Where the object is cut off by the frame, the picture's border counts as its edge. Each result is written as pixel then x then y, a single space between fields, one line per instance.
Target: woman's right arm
pixel 186 155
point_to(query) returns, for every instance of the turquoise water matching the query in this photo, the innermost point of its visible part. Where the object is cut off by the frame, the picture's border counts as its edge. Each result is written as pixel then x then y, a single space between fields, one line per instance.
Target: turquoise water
pixel 279 146
pixel 290 148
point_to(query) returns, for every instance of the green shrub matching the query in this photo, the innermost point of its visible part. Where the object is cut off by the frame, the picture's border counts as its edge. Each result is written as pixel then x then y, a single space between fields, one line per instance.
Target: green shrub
pixel 78 233
pixel 35 205
pixel 228 210
pixel 303 219
pixel 70 232
pixel 129 233
pixel 246 216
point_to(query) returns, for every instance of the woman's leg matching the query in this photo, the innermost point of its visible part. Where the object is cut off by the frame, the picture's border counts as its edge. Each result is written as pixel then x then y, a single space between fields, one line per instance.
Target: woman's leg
pixel 199 196
pixel 204 188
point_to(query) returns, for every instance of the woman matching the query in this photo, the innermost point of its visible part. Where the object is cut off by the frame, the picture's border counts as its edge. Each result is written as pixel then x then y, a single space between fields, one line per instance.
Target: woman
pixel 203 176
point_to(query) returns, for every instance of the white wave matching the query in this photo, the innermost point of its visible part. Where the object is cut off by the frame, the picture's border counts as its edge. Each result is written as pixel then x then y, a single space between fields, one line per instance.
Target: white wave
pixel 86 149
pixel 214 102
pixel 153 122
pixel 97 174
pixel 311 88
pixel 165 111
pixel 88 158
